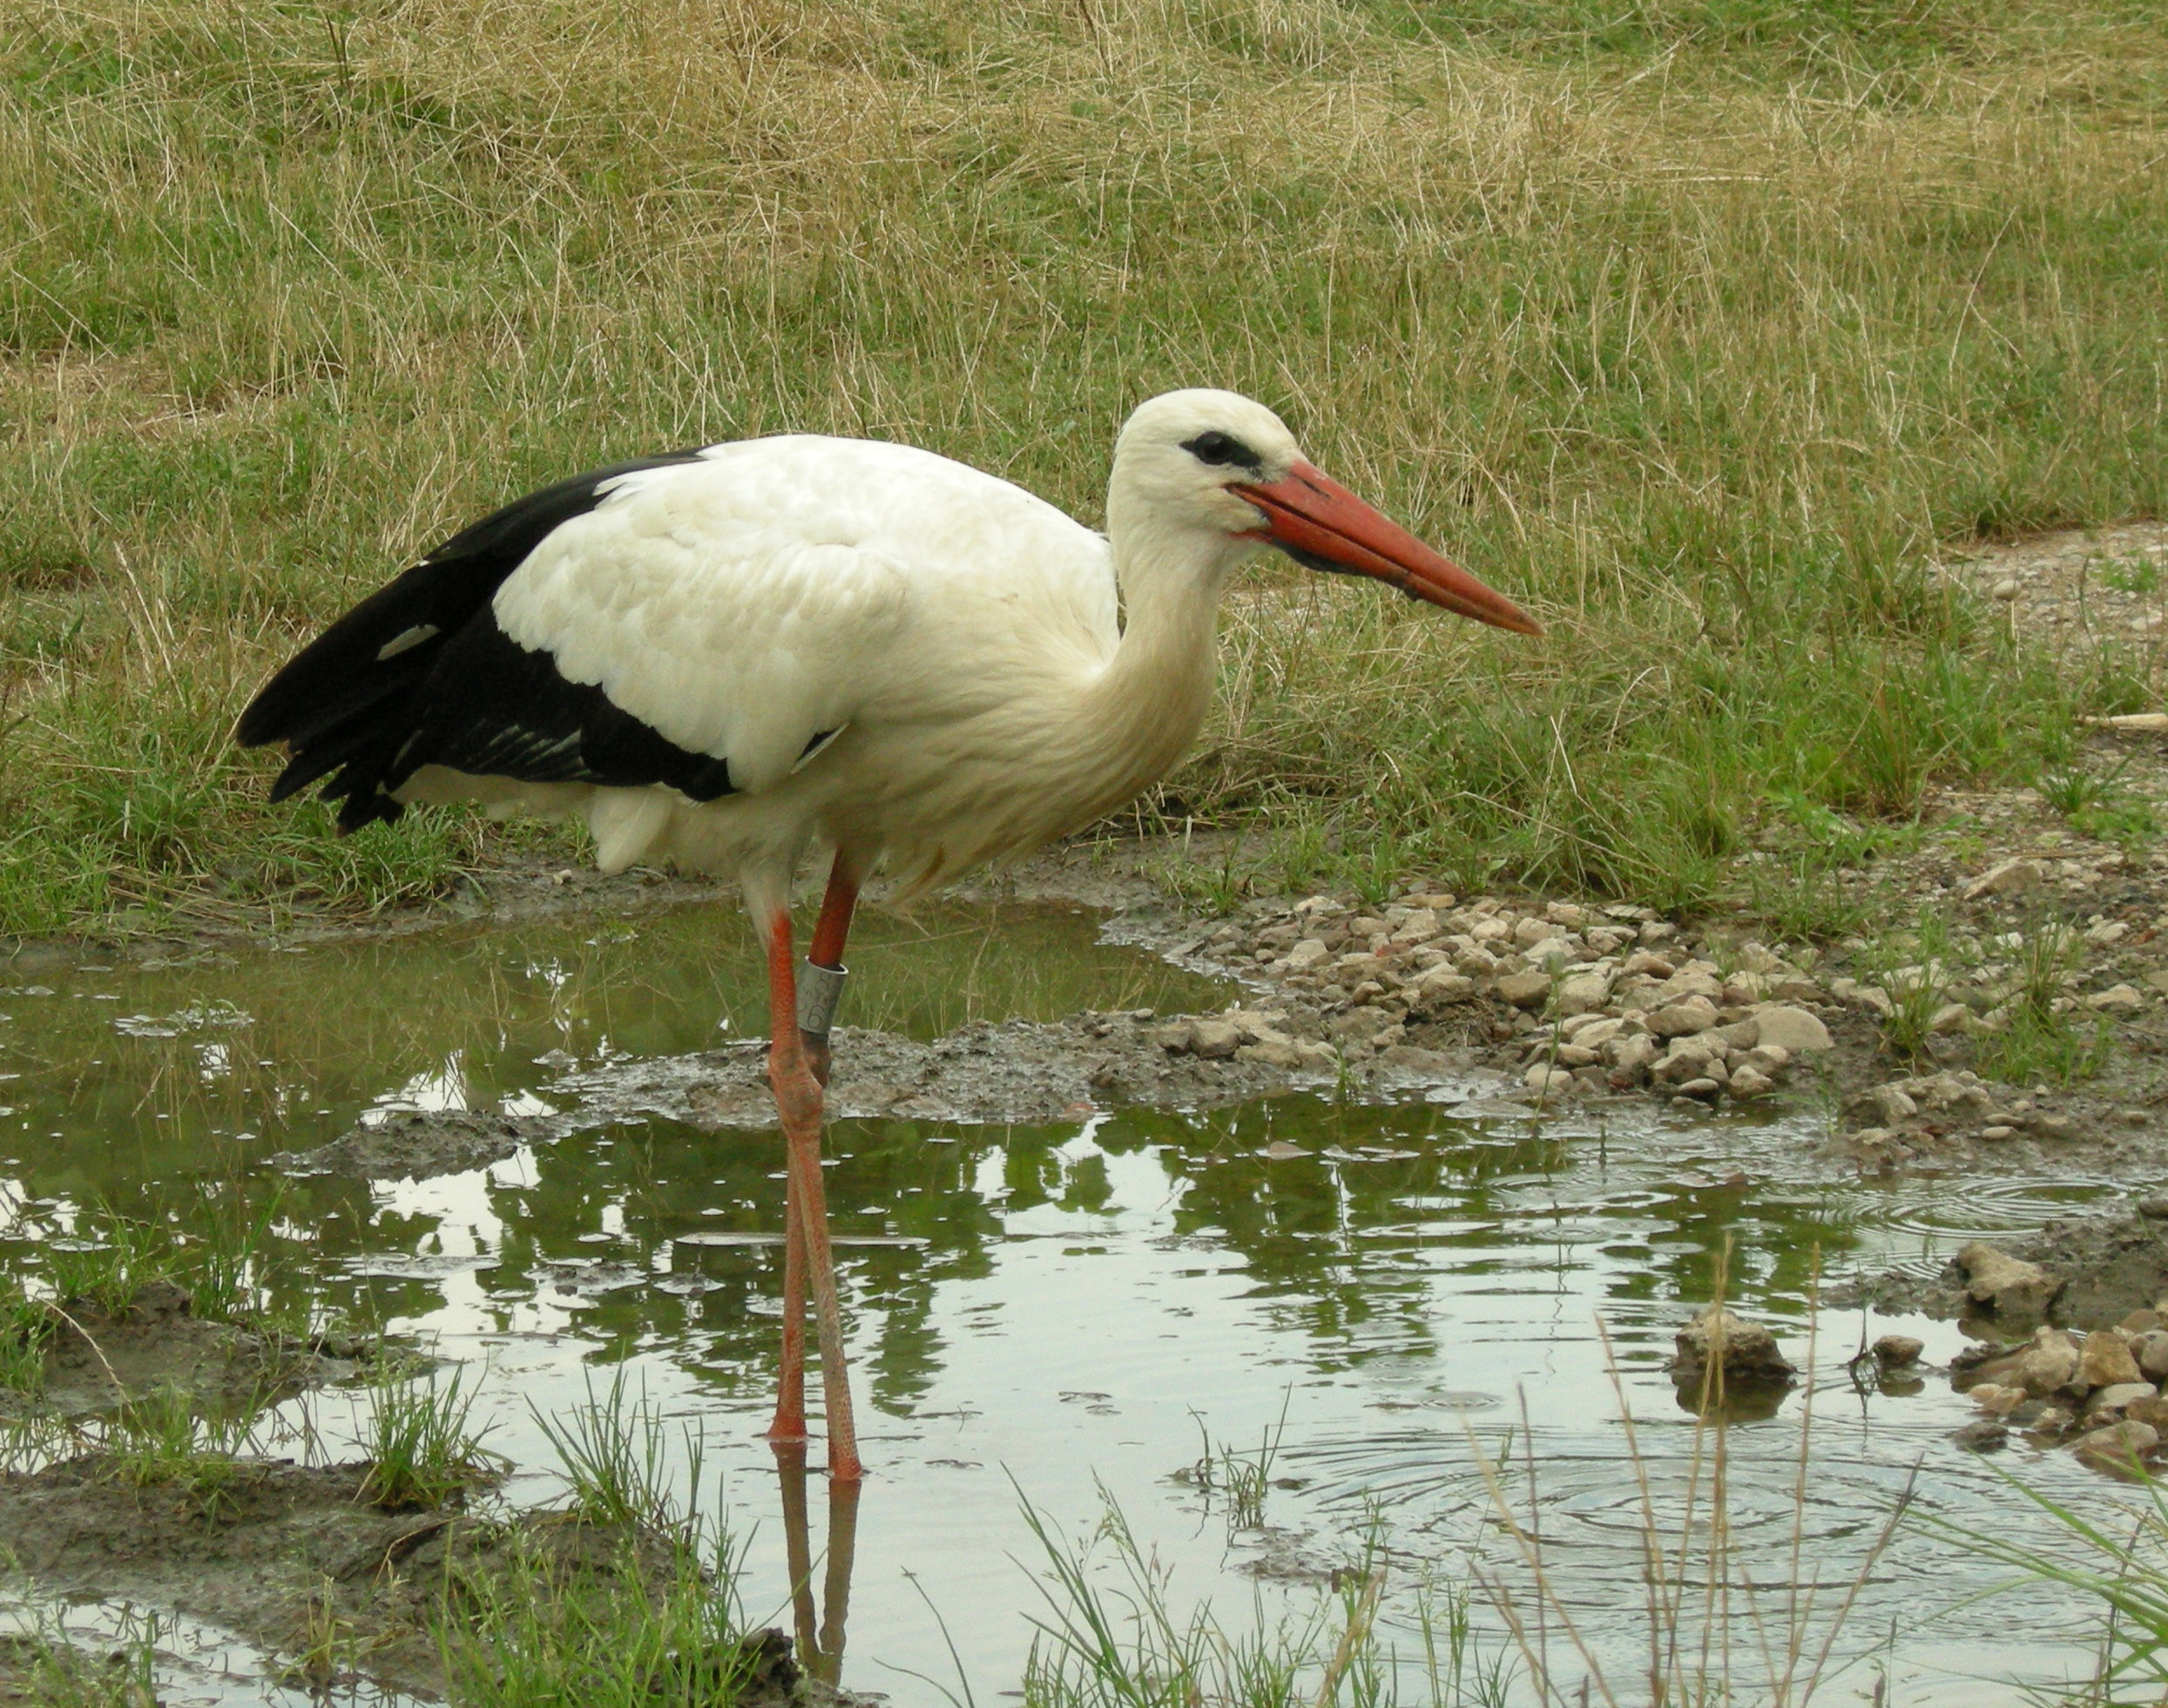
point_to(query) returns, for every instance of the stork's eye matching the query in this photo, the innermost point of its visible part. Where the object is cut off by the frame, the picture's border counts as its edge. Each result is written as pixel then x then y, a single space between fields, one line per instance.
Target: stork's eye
pixel 1220 450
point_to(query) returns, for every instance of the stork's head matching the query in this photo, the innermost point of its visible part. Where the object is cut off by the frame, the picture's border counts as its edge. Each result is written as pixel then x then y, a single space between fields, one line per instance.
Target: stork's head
pixel 1218 462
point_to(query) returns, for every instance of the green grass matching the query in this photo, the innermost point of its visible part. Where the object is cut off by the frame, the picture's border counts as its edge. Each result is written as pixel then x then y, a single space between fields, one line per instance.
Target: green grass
pixel 1696 325
pixel 421 1452
pixel 613 1454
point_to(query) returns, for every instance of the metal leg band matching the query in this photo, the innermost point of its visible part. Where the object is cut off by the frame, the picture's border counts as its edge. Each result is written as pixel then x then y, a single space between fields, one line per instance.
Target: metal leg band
pixel 819 989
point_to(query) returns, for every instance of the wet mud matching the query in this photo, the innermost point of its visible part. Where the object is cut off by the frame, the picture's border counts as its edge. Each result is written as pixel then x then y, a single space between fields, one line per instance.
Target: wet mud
pixel 2103 1268
pixel 1016 1073
pixel 411 1144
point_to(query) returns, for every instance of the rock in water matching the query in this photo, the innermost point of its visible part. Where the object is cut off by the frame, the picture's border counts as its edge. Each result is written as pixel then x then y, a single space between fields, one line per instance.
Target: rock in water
pixel 2119 1447
pixel 1749 1351
pixel 2010 1287
pixel 1894 1351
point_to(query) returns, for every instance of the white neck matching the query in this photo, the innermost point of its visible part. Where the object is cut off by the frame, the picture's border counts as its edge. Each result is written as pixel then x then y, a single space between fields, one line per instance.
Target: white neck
pixel 1143 710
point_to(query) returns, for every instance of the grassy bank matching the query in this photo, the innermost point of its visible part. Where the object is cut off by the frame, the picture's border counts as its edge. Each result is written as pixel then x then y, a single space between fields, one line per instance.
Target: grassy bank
pixel 1697 326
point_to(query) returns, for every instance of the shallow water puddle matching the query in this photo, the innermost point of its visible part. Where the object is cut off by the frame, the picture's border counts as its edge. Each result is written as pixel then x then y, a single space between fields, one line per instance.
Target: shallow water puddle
pixel 1413 1288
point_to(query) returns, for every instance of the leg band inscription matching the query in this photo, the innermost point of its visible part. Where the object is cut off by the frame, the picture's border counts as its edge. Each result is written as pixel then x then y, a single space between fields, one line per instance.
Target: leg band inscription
pixel 819 989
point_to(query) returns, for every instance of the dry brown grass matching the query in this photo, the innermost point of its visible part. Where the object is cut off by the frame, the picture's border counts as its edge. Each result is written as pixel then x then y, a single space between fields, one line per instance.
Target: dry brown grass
pixel 1697 325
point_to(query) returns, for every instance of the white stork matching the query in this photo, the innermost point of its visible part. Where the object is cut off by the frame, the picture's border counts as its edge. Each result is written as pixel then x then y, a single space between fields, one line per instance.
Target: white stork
pixel 722 657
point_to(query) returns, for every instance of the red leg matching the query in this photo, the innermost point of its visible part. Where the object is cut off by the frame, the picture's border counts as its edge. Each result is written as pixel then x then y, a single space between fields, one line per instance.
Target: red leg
pixel 798 1102
pixel 829 935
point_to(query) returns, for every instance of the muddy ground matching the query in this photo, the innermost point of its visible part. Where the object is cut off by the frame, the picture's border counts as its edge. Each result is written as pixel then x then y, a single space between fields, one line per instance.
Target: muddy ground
pixel 300 1560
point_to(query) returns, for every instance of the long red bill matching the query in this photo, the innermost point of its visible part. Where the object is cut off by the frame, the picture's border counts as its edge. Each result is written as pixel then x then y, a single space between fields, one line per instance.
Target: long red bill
pixel 1320 522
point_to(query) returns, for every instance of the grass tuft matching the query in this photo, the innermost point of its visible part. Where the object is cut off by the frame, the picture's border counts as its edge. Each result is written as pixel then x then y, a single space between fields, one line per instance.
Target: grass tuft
pixel 420 1451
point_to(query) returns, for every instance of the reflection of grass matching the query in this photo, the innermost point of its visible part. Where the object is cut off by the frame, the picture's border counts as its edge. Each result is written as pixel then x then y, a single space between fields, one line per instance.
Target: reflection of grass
pixel 56 1673
pixel 158 1440
pixel 1122 1646
pixel 26 1329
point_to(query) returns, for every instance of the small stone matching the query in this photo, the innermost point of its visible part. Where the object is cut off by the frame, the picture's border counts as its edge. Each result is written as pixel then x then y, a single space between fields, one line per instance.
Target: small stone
pixel 1696 1014
pixel 1177 1039
pixel 1894 1351
pixel 1769 1058
pixel 1593 1031
pixel 2151 1353
pixel 1440 987
pixel 1280 1151
pixel 1888 1105
pixel 1984 1435
pixel 2005 1283
pixel 2116 999
pixel 1582 992
pixel 1628 1058
pixel 2139 1324
pixel 1792 1029
pixel 1271 1053
pixel 2007 879
pixel 2105 1361
pixel 1524 990
pixel 1950 1017
pixel 1420 927
pixel 2005 590
pixel 1308 955
pixel 1216 1040
pixel 1575 1055
pixel 1995 1399
pixel 1748 1082
pixel 1547 1080
pixel 1704 1087
pixel 1871 997
pixel 1364 1025
pixel 1644 964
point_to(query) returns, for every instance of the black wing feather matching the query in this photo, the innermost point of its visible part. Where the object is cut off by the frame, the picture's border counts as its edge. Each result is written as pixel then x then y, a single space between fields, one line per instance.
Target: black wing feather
pixel 454 689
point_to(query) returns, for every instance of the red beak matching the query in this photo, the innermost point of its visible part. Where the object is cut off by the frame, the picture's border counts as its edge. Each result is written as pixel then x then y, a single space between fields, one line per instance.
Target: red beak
pixel 1321 522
